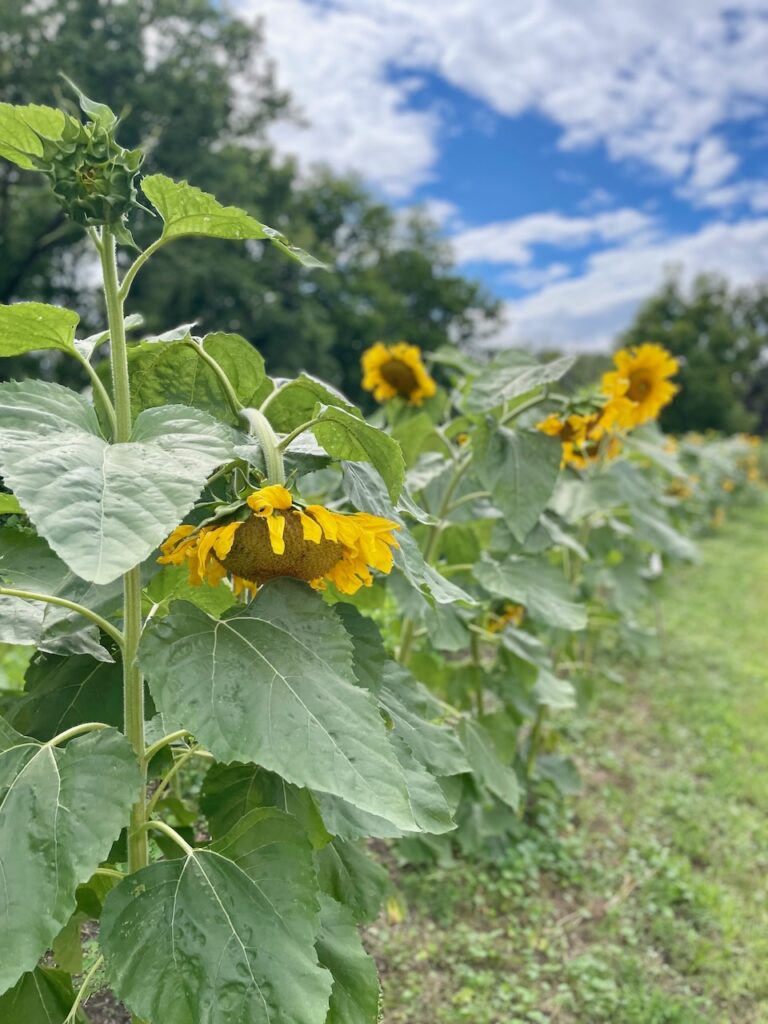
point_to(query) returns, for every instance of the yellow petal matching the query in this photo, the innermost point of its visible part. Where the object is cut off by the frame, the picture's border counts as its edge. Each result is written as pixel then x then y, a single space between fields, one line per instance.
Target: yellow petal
pixel 310 528
pixel 276 527
pixel 267 498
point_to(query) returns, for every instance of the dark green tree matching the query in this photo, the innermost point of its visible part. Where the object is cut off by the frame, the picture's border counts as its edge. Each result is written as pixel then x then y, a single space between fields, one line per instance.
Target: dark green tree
pixel 193 81
pixel 719 335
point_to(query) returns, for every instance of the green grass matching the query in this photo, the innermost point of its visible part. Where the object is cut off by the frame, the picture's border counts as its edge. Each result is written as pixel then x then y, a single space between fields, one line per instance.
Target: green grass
pixel 650 906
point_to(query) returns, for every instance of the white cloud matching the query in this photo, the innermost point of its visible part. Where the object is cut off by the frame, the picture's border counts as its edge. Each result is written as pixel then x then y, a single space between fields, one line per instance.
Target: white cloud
pixel 514 241
pixel 712 164
pixel 647 78
pixel 533 278
pixel 586 312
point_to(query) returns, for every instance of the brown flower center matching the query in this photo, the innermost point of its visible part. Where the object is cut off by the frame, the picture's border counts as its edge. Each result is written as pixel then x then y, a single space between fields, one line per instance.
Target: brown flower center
pixel 567 432
pixel 640 385
pixel 400 376
pixel 252 557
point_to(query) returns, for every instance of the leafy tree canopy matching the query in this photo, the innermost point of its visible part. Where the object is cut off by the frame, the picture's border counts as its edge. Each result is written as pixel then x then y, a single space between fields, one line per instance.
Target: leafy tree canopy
pixel 197 91
pixel 720 336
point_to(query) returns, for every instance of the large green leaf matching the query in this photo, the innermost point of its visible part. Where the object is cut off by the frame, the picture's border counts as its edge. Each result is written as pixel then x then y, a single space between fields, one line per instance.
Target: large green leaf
pixel 230 791
pixel 367 492
pixel 174 374
pixel 27 563
pixel 351 876
pixel 103 508
pixel 196 940
pixel 429 806
pixel 416 715
pixel 520 469
pixel 554 692
pixel 541 587
pixel 345 436
pixel 486 764
pixel 273 683
pixel 419 720
pixel 9 505
pixel 27 326
pixel 21 128
pixel 503 380
pixel 355 995
pixel 294 402
pixel 60 812
pixel 273 849
pixel 42 996
pixel 62 692
pixel 186 210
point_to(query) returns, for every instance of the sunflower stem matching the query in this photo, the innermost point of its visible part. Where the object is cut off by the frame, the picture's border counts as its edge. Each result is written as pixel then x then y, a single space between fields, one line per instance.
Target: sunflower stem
pixel 261 428
pixel 133 681
pixel 226 385
pixel 62 602
pixel 288 440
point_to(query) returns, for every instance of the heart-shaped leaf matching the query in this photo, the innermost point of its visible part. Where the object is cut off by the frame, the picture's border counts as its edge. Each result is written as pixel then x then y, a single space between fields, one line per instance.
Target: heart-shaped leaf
pixel 196 938
pixel 273 683
pixel 103 507
pixel 28 326
pixel 346 436
pixel 520 468
pixel 186 210
pixel 60 812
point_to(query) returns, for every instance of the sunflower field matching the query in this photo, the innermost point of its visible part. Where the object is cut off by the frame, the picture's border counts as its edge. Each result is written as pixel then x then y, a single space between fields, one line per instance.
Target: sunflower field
pixel 259 630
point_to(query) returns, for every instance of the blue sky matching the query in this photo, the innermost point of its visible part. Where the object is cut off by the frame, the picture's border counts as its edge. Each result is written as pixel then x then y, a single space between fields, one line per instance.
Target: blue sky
pixel 572 150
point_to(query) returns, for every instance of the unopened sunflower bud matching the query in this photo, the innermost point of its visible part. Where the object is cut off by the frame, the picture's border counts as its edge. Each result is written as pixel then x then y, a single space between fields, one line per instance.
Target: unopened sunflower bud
pixel 91 176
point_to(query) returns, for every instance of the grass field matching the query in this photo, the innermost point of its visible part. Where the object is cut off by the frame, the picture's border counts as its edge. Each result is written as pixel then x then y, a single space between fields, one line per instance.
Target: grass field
pixel 649 905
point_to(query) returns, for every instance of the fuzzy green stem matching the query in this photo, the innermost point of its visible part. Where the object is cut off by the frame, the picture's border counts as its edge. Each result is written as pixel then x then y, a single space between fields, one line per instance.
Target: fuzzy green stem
pixel 136 266
pixel 99 391
pixel 62 602
pixel 290 438
pixel 261 428
pixel 533 741
pixel 82 992
pixel 110 873
pixel 76 730
pixel 164 742
pixel 168 778
pixel 133 681
pixel 161 826
pixel 226 385
pixel 524 407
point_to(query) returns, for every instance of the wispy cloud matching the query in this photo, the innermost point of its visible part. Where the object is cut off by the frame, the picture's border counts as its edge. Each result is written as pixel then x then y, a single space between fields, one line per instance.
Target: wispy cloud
pixel 586 312
pixel 514 241
pixel 647 79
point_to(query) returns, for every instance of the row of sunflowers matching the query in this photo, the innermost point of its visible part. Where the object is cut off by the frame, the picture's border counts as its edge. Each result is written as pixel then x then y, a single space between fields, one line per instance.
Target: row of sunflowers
pixel 264 628
pixel 534 575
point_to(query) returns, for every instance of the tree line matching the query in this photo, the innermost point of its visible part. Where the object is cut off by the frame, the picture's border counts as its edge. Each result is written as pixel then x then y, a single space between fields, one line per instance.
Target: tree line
pixel 198 91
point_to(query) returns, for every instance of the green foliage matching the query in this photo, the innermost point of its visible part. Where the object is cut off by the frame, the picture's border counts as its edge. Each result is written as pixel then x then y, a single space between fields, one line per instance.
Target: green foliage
pixel 719 334
pixel 122 501
pixel 226 932
pixel 280 725
pixel 61 812
pixel 389 279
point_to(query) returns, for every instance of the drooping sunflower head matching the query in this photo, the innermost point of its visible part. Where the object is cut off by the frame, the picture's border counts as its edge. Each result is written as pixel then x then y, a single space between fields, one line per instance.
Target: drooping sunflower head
pixel 278 538
pixel 510 614
pixel 640 386
pixel 396 370
pixel 583 437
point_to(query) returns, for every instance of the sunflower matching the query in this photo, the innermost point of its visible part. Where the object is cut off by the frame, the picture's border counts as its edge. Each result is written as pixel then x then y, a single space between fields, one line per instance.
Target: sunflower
pixel 639 387
pixel 396 370
pixel 280 539
pixel 510 613
pixel 582 436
